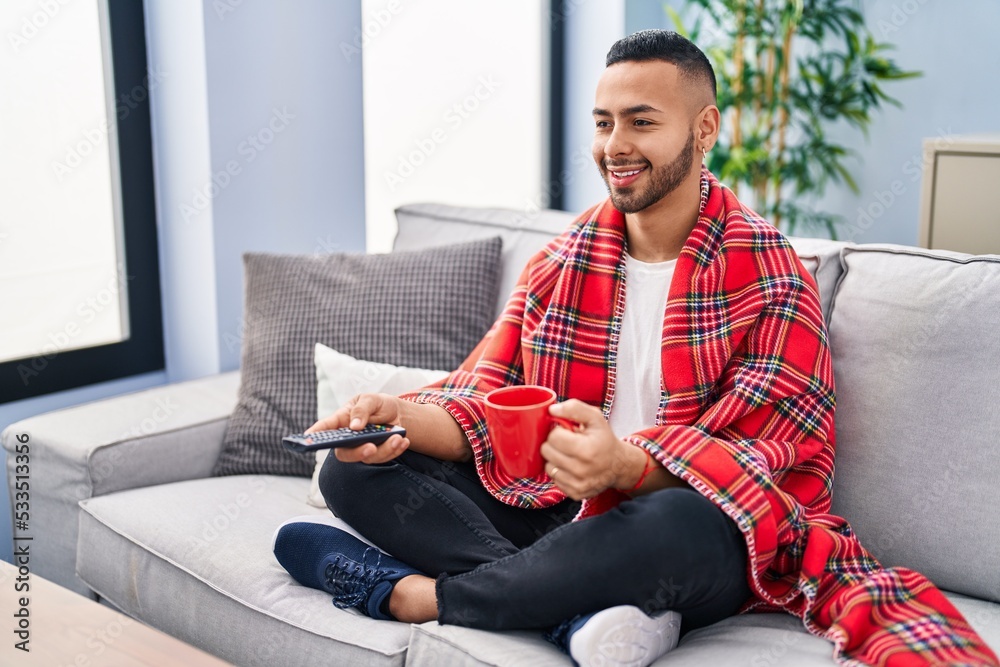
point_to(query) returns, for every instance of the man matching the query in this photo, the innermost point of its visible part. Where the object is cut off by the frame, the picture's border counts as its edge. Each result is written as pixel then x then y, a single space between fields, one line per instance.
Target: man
pixel 684 336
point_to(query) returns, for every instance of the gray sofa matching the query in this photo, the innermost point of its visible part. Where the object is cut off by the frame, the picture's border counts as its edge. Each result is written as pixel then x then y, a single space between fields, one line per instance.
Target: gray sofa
pixel 130 513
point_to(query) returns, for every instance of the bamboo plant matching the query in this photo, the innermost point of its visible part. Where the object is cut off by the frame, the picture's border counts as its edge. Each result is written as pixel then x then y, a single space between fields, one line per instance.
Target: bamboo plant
pixel 788 71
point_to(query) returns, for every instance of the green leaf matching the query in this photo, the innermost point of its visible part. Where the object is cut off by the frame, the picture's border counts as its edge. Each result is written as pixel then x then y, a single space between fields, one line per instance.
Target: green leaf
pixel 839 74
pixel 676 19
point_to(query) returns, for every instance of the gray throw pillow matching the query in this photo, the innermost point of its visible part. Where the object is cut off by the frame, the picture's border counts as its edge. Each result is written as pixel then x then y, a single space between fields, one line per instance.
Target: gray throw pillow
pixel 425 308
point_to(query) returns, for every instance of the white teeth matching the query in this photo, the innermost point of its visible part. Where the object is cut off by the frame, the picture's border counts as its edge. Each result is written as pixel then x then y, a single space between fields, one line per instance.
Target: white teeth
pixel 625 174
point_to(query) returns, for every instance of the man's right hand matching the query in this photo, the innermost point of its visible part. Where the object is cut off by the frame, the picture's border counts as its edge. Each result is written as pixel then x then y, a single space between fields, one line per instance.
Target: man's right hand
pixel 357 413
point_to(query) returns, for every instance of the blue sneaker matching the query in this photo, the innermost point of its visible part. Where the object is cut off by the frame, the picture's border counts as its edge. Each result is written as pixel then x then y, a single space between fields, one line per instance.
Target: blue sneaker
pixel 621 636
pixel 330 559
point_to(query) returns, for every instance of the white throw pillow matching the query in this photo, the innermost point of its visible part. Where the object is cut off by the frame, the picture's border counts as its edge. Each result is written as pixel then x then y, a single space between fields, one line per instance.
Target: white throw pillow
pixel 340 376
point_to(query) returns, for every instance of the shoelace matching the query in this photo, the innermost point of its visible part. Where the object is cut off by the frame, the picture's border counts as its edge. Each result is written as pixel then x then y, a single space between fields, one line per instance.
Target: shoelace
pixel 352 582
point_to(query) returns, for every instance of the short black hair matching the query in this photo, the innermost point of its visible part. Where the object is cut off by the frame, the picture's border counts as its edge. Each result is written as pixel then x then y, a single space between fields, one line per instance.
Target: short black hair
pixel 667 46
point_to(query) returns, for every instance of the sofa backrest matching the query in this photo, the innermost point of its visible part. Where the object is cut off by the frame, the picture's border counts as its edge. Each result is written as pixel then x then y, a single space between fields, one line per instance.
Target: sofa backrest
pixel 916 362
pixel 526 232
pixel 916 359
pixel 821 257
pixel 523 233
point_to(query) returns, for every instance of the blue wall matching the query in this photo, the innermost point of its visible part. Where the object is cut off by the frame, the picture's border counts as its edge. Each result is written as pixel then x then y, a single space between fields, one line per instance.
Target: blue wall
pixel 955 46
pixel 272 69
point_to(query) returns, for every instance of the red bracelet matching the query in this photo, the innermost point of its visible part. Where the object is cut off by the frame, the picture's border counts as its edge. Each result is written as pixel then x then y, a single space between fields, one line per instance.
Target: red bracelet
pixel 647 468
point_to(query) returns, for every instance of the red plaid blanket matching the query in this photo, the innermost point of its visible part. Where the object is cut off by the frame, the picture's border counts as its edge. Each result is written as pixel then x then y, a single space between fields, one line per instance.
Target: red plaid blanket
pixel 746 420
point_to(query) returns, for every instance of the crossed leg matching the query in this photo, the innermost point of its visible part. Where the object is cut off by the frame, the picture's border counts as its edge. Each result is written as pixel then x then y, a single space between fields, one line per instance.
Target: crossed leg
pixel 497 567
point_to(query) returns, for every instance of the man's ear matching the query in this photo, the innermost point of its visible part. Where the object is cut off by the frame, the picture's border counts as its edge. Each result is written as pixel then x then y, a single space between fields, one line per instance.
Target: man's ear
pixel 706 127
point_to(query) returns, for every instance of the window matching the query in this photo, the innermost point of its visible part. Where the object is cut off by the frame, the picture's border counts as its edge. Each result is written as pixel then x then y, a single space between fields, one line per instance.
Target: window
pixel 79 277
pixel 462 106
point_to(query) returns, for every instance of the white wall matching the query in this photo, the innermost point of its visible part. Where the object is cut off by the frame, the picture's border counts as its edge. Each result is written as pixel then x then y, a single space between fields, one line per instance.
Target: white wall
pixel 453 95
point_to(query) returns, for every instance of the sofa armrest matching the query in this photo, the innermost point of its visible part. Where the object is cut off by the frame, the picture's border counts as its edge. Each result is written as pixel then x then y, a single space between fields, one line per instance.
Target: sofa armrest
pixel 160 435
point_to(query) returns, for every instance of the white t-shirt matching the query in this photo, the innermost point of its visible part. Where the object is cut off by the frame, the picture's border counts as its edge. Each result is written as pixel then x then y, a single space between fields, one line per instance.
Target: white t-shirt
pixel 638 364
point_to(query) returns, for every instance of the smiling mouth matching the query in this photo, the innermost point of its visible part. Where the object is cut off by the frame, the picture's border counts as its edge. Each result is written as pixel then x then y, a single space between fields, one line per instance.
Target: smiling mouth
pixel 623 177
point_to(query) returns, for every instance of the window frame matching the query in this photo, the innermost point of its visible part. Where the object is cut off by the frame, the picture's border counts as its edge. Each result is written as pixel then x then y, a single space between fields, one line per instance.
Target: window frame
pixel 142 351
pixel 557 105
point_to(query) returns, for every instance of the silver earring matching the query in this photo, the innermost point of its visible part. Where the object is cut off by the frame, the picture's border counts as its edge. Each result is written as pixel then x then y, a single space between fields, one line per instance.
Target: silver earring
pixel 704 153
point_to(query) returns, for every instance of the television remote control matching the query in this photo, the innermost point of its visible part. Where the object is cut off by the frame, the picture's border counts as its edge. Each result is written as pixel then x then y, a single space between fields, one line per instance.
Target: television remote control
pixel 341 437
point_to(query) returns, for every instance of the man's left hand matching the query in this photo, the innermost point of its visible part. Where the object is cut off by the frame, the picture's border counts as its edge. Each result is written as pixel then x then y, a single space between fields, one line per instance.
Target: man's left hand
pixel 586 461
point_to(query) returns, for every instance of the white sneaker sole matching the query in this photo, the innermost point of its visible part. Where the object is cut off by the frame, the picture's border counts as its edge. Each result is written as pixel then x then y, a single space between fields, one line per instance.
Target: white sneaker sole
pixel 624 637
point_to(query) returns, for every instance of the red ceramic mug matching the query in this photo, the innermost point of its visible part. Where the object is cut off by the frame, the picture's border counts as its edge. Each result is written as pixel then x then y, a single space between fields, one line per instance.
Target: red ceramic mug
pixel 518 422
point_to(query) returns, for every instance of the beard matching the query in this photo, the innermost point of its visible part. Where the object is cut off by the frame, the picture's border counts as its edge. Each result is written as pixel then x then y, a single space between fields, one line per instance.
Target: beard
pixel 662 181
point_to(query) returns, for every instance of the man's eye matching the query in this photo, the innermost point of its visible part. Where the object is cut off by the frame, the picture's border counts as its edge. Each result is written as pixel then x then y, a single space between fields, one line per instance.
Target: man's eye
pixel 642 122
pixel 603 123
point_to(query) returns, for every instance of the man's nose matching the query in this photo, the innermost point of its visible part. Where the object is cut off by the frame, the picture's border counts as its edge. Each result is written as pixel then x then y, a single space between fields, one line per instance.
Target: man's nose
pixel 618 143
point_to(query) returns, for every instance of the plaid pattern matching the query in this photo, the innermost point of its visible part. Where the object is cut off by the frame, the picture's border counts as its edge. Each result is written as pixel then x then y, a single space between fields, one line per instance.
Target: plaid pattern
pixel 746 418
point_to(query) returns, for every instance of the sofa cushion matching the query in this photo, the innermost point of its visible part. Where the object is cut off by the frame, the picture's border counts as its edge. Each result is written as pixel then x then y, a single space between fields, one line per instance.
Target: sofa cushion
pixel 154 436
pixel 822 258
pixel 524 232
pixel 424 308
pixel 750 640
pixel 203 571
pixel 915 357
pixel 194 559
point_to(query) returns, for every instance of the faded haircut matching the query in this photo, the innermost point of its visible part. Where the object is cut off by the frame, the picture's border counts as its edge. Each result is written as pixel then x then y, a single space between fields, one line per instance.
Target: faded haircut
pixel 670 47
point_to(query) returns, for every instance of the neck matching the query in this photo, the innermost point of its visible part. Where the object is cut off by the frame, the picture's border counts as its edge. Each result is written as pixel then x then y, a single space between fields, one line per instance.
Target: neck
pixel 659 232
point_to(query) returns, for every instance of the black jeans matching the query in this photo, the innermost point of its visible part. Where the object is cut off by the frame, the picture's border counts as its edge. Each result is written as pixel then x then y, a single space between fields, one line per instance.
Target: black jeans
pixel 500 567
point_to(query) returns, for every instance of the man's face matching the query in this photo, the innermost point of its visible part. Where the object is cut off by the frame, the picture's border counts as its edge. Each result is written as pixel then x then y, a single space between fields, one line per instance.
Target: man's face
pixel 644 135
